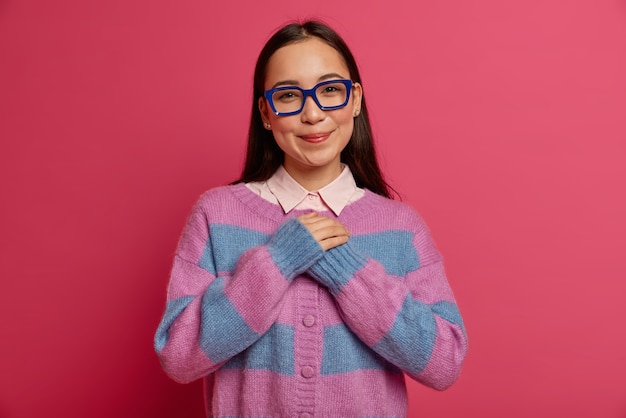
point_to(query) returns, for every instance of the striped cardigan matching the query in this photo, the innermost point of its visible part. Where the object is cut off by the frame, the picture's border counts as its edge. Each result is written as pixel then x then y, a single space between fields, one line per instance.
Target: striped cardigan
pixel 278 327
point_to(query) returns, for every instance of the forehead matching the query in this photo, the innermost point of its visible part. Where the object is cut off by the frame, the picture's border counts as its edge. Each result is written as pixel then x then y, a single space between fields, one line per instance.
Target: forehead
pixel 305 62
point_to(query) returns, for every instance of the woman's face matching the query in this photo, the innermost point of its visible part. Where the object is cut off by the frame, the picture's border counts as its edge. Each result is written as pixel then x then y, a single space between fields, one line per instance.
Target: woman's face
pixel 313 139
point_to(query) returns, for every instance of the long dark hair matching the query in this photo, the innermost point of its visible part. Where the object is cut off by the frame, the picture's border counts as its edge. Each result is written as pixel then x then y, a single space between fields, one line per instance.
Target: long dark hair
pixel 263 156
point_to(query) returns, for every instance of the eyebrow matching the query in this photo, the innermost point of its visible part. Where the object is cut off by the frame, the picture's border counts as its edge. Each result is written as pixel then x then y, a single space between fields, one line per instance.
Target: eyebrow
pixel 296 83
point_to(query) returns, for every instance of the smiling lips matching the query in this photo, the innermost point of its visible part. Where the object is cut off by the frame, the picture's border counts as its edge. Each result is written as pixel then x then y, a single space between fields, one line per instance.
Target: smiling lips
pixel 315 138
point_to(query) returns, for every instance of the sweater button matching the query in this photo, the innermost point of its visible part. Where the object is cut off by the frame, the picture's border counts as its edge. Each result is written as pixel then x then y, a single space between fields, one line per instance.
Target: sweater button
pixel 308 320
pixel 307 371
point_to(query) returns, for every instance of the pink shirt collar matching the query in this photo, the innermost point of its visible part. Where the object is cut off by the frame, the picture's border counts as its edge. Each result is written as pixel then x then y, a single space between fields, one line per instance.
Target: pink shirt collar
pixel 289 194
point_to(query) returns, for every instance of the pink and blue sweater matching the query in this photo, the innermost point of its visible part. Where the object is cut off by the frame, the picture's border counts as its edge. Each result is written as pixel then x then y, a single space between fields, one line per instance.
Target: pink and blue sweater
pixel 277 327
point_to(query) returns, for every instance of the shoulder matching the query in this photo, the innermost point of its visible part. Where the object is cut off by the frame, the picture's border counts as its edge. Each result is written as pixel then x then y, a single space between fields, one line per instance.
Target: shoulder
pixel 387 213
pixel 219 195
pixel 236 204
pixel 401 222
pixel 391 205
pixel 217 201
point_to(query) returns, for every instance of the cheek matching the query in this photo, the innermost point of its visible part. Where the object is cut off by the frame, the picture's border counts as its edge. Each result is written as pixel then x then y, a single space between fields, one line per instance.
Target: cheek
pixel 345 121
pixel 283 124
pixel 346 116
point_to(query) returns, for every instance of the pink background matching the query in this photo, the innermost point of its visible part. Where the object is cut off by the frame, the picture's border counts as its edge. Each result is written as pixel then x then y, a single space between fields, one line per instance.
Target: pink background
pixel 502 122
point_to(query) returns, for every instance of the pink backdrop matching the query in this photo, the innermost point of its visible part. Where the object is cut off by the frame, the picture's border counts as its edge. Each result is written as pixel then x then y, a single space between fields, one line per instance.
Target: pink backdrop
pixel 502 122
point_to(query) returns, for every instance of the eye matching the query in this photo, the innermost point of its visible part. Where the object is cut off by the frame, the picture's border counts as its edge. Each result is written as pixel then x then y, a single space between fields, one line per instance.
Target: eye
pixel 287 95
pixel 332 89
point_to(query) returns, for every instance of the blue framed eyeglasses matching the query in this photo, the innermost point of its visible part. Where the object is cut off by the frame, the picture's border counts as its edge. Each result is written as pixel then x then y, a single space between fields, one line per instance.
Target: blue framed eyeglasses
pixel 328 95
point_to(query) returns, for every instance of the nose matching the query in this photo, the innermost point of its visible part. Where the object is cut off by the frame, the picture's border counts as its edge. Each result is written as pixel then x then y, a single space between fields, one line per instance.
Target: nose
pixel 311 113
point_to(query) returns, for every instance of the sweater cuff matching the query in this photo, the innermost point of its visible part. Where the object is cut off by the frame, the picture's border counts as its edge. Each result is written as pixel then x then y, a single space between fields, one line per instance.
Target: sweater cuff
pixel 294 249
pixel 337 267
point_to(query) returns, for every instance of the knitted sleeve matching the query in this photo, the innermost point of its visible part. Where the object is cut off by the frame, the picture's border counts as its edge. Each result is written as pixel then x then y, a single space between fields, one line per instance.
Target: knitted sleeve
pixel 225 291
pixel 392 292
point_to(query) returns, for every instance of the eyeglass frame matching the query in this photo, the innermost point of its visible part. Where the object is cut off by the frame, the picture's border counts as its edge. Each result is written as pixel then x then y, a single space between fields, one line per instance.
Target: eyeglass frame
pixel 309 92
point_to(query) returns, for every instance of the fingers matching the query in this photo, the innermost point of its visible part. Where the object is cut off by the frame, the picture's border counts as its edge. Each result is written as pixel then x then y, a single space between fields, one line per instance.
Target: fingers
pixel 328 232
pixel 333 242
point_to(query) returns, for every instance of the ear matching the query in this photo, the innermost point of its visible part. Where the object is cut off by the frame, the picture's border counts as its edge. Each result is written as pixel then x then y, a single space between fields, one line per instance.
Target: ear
pixel 263 108
pixel 357 97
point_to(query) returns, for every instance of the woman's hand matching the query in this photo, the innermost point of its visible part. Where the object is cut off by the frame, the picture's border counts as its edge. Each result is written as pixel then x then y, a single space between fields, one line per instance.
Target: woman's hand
pixel 328 232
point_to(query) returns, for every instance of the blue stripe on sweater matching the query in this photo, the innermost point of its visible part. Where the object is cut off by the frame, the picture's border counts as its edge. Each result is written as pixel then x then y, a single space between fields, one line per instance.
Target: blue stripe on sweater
pixel 293 248
pixel 224 333
pixel 172 310
pixel 337 267
pixel 448 311
pixel 344 352
pixel 393 249
pixel 410 341
pixel 232 241
pixel 274 351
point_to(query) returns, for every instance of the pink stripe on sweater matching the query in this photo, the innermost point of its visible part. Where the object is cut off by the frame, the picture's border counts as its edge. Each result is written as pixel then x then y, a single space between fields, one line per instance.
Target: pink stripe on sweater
pixel 181 358
pixel 377 394
pixel 329 314
pixel 372 297
pixel 449 350
pixel 429 284
pixel 260 307
pixel 223 209
pixel 187 279
pixel 246 393
pixel 239 393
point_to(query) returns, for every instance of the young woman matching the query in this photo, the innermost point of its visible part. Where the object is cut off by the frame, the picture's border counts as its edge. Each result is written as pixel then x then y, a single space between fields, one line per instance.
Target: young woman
pixel 302 289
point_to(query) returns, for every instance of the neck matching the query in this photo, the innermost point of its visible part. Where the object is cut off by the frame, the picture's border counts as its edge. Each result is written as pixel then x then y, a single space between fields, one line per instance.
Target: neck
pixel 314 178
